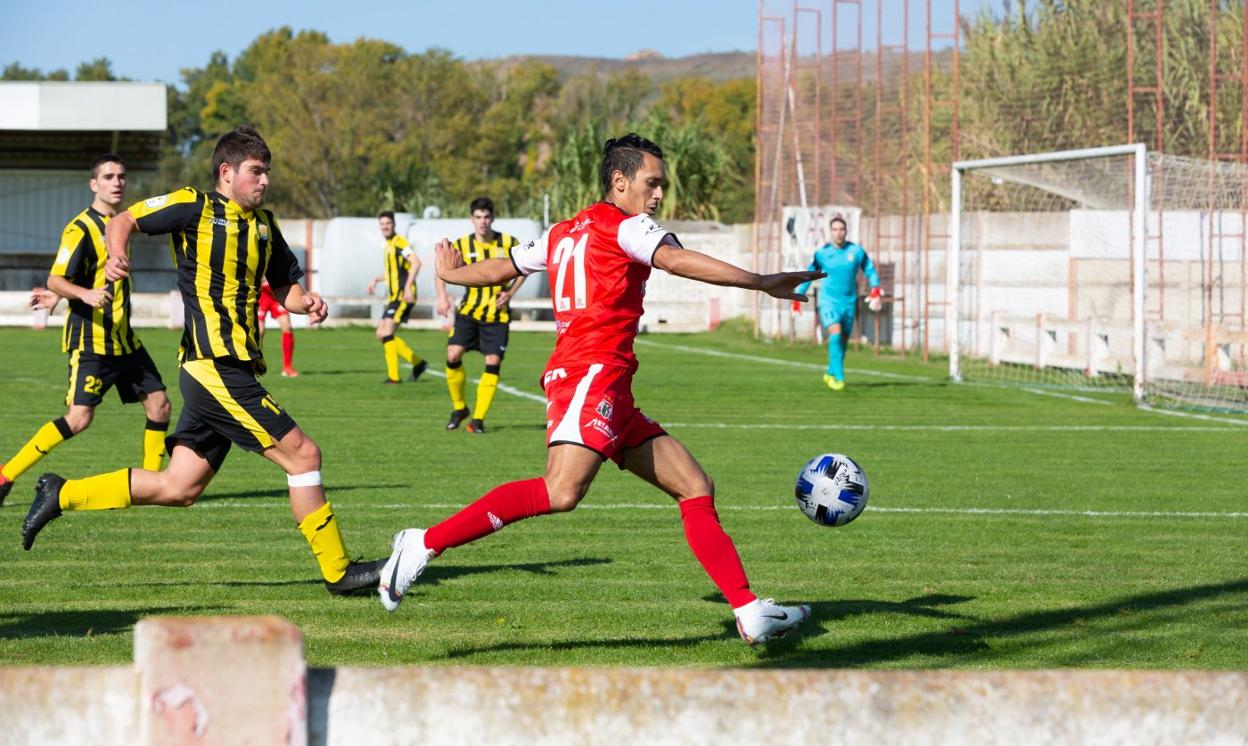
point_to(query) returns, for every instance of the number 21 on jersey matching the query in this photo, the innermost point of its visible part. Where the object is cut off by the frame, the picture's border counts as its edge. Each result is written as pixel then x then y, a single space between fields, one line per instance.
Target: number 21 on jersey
pixel 571 252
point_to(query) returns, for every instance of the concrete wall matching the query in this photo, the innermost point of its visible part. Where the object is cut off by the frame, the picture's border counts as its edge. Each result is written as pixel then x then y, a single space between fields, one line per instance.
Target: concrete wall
pixel 233 680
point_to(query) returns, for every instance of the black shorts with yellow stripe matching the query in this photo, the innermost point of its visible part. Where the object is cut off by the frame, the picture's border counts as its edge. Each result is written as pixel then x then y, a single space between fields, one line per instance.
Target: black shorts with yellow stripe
pixel 91 376
pixel 490 339
pixel 397 310
pixel 224 404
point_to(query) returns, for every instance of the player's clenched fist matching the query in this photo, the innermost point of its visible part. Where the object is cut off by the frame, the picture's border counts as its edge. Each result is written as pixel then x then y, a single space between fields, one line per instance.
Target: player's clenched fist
pixel 315 307
pixel 117 268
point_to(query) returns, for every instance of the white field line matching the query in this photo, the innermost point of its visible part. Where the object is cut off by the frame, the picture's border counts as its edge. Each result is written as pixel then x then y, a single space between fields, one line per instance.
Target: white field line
pixel 501 387
pixel 1195 416
pixel 951 428
pixel 779 361
pixel 274 503
pixel 1072 397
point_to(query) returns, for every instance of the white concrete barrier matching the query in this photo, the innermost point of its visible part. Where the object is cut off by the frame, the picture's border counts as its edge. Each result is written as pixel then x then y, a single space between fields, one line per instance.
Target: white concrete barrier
pixel 205 680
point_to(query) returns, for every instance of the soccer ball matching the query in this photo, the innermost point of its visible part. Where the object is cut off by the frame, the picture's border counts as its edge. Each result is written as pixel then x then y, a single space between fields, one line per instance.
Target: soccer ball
pixel 831 489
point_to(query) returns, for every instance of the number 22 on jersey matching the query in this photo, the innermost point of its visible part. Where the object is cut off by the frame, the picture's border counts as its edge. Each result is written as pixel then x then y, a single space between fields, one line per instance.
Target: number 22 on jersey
pixel 571 252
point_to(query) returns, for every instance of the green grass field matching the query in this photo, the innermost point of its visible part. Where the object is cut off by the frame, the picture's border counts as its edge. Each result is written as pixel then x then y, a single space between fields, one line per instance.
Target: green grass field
pixel 1005 529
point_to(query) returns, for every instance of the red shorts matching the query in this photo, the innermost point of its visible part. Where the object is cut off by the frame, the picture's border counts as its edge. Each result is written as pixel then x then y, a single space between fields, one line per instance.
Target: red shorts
pixel 268 305
pixel 593 406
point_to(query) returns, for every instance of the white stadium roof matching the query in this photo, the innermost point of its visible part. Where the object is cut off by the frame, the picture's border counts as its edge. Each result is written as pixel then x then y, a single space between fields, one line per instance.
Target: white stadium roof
pixel 48 106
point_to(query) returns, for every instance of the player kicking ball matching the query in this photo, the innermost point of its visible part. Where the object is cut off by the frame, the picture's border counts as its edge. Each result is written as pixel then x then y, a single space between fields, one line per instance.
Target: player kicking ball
pixel 599 262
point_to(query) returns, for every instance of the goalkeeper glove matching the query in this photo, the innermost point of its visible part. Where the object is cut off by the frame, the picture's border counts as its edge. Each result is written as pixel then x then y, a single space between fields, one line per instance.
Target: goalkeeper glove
pixel 874 301
pixel 797 306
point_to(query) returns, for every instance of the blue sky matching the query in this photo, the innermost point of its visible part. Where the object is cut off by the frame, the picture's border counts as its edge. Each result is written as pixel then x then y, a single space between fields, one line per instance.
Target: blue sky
pixel 154 40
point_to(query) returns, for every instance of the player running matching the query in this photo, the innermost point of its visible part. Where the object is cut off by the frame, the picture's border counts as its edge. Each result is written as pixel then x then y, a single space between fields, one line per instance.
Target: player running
pixel 400 266
pixel 103 349
pixel 599 262
pixel 840 260
pixel 223 244
pixel 269 307
pixel 482 320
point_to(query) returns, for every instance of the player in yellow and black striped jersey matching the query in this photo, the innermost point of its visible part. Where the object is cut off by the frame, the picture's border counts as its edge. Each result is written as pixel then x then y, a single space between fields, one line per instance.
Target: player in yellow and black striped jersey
pixel 102 347
pixel 482 319
pixel 399 268
pixel 223 245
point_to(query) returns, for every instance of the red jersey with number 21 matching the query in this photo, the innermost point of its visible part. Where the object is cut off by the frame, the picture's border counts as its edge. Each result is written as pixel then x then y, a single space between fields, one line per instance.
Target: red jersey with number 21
pixel 598 262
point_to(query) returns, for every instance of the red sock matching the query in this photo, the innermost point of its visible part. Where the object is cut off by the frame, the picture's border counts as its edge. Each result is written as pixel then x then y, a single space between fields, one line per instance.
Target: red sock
pixel 506 503
pixel 715 550
pixel 288 348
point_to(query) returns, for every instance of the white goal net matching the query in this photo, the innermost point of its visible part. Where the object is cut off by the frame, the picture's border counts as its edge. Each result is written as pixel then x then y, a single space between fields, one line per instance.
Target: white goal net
pixel 1103 269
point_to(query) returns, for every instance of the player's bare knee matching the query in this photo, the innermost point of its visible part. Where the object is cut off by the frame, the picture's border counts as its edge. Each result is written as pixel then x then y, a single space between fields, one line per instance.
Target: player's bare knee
pixel 307 456
pixel 178 494
pixel 79 419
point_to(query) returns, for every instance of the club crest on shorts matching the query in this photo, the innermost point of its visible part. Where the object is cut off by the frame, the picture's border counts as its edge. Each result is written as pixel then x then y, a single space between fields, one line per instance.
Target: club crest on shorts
pixel 604 409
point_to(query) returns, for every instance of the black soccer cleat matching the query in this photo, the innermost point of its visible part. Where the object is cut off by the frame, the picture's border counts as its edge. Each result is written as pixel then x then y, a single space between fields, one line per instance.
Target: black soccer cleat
pixel 45 508
pixel 476 426
pixel 390 381
pixel 5 486
pixel 360 576
pixel 457 416
pixel 417 369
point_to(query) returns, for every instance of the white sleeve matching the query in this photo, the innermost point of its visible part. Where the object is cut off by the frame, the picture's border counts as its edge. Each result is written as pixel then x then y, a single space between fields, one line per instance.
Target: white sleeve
pixel 410 253
pixel 640 237
pixel 530 257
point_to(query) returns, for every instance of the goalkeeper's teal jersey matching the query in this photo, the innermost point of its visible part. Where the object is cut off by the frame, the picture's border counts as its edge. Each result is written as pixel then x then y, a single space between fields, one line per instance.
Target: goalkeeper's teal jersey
pixel 841 267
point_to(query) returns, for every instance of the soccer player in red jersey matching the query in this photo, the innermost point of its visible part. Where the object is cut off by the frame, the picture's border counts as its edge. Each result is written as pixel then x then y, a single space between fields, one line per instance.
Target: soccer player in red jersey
pixel 268 306
pixel 599 262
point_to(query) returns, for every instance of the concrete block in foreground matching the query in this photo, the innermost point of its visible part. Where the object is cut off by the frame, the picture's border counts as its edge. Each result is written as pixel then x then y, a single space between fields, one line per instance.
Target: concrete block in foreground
pixel 220 680
pixel 529 706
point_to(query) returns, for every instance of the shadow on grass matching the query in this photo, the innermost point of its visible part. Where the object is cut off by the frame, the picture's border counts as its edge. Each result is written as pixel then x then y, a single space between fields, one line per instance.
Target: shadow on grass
pixel 86 622
pixel 951 646
pixel 283 492
pixel 961 643
pixel 435 574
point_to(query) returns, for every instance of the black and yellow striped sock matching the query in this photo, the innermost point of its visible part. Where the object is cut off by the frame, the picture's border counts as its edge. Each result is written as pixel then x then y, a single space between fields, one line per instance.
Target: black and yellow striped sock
pixel 320 528
pixel 391 351
pixel 485 391
pixel 102 492
pixel 154 444
pixel 51 435
pixel 456 381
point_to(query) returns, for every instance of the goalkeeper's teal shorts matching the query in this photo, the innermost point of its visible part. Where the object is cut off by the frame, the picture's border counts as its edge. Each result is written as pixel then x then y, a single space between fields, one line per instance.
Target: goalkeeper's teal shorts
pixel 839 311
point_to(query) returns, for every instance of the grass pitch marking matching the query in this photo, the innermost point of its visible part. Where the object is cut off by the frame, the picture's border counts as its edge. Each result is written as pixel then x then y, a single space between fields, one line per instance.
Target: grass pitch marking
pixel 781 361
pixel 280 503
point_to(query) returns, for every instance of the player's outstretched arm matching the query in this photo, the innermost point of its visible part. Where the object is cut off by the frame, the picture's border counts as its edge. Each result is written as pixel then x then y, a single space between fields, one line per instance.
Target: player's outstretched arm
pixel 450 266
pixel 116 238
pixel 695 265
pixel 297 300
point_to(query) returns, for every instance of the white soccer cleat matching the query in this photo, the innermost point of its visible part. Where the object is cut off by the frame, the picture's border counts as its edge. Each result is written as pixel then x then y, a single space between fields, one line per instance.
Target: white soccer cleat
pixel 407 561
pixel 763 620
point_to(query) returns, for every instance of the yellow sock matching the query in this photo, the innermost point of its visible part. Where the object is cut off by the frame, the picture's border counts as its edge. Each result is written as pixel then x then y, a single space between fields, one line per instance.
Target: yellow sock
pixel 102 492
pixel 392 358
pixel 51 435
pixel 154 444
pixel 485 394
pixel 320 528
pixel 406 353
pixel 455 382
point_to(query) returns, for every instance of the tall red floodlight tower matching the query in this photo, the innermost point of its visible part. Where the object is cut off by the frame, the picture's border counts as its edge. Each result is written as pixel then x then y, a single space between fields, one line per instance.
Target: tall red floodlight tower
pixel 769 161
pixel 936 169
pixel 845 135
pixel 1225 145
pixel 890 187
pixel 1146 68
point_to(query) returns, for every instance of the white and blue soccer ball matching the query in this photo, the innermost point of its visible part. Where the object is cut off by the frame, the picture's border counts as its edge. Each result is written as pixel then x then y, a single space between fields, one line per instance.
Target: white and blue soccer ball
pixel 831 489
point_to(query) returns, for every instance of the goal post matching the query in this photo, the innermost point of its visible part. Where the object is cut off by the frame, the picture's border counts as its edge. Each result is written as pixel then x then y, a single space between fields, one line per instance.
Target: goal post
pixel 1102 269
pixel 1015 311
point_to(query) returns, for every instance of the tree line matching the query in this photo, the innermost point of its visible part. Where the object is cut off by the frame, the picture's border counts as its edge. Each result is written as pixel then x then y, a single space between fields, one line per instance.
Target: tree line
pixel 363 126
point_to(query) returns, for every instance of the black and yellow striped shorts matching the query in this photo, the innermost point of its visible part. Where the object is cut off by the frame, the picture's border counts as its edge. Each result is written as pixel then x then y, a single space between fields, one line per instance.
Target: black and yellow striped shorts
pixel 224 404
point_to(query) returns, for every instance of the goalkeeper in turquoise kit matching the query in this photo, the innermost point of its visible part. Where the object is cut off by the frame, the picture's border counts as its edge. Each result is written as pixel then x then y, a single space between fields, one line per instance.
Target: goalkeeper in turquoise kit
pixel 840 260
